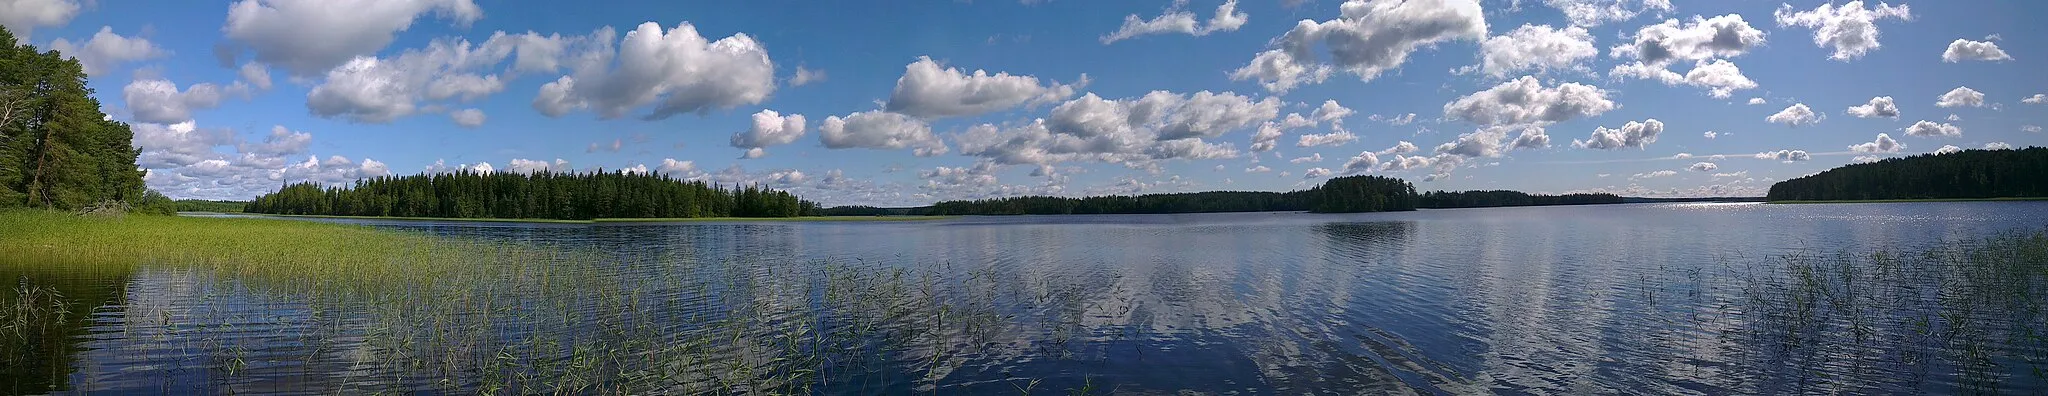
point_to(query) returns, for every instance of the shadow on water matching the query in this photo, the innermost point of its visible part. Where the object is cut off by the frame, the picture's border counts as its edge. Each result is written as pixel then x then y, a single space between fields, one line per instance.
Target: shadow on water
pixel 1356 306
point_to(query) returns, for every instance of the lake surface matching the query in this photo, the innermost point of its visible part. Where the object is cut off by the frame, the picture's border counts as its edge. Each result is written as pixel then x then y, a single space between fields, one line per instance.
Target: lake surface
pixel 1640 299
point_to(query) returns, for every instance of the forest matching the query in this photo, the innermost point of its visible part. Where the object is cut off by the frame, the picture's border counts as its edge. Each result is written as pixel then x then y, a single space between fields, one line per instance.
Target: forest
pixel 1499 198
pixel 1344 194
pixel 57 150
pixel 540 195
pixel 1960 175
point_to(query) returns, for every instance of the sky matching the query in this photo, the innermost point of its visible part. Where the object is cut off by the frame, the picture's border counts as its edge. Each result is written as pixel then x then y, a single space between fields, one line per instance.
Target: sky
pixel 907 102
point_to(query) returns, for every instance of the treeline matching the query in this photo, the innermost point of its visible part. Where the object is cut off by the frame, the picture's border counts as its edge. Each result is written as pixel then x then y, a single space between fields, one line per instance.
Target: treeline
pixel 1344 194
pixel 1500 198
pixel 57 150
pixel 200 205
pixel 1965 174
pixel 540 195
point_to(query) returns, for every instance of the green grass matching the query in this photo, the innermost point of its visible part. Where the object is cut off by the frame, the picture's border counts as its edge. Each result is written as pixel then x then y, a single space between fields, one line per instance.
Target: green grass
pixel 635 220
pixel 1914 200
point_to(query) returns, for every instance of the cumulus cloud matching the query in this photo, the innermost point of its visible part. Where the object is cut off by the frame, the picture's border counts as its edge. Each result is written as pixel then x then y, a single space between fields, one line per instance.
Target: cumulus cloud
pixel 255 74
pixel 1653 175
pixel 1364 162
pixel 23 16
pixel 307 37
pixel 1997 146
pixel 1959 97
pixel 1314 158
pixel 1258 169
pixel 378 90
pixel 467 118
pixel 1756 101
pixel 1315 173
pixel 2035 99
pixel 770 129
pixel 1334 138
pixel 1538 48
pixel 1785 155
pixel 1134 132
pixel 875 129
pixel 1526 101
pixel 1596 12
pixel 175 145
pixel 805 76
pixel 1849 28
pixel 1395 120
pixel 160 101
pixel 1883 144
pixel 1177 19
pixel 931 90
pixel 1703 167
pixel 1720 77
pixel 1879 107
pixel 1966 50
pixel 1635 135
pixel 1695 40
pixel 1795 116
pixel 280 142
pixel 526 166
pixel 1369 37
pixel 1948 149
pixel 1926 128
pixel 1710 134
pixel 106 50
pixel 2030 128
pixel 678 71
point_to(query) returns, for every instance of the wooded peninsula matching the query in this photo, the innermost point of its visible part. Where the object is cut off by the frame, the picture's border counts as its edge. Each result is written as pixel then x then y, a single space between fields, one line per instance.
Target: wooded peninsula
pixel 1968 174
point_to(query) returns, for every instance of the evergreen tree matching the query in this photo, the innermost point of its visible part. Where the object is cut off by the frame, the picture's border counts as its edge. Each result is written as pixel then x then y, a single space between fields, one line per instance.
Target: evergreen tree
pixel 542 195
pixel 57 150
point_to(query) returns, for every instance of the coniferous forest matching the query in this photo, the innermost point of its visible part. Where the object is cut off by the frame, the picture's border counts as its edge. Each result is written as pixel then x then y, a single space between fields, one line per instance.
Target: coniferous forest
pixel 540 195
pixel 1960 175
pixel 57 150
pixel 1344 194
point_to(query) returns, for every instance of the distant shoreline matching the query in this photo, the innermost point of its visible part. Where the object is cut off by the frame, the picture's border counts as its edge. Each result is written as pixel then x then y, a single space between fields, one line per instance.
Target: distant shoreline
pixel 2000 199
pixel 619 220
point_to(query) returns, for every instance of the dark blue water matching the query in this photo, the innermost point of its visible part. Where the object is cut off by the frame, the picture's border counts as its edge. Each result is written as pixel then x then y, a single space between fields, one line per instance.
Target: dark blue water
pixel 1647 299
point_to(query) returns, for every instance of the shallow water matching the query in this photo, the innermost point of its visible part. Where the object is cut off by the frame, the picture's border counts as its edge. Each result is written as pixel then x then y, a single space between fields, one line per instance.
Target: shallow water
pixel 1646 298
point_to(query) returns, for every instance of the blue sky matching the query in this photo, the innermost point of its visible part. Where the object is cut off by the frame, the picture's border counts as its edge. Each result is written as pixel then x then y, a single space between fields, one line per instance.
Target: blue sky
pixel 233 98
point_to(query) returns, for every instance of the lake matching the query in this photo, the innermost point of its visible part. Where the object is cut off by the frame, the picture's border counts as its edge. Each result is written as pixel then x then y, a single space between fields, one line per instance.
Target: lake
pixel 1703 298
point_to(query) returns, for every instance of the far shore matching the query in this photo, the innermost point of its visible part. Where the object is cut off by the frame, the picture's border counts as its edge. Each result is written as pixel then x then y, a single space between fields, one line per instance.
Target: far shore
pixel 1913 200
pixel 608 220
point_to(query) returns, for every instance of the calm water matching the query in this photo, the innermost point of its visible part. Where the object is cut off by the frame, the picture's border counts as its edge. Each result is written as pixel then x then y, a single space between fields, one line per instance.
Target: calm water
pixel 1651 299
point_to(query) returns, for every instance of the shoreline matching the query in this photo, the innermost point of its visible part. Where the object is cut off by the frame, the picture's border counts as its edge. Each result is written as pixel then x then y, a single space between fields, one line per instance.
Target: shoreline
pixel 1910 200
pixel 616 220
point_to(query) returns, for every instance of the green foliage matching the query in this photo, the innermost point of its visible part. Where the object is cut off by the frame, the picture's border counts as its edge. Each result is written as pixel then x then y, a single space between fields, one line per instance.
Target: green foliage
pixel 57 150
pixel 1344 194
pixel 154 203
pixel 1499 198
pixel 541 195
pixel 1965 174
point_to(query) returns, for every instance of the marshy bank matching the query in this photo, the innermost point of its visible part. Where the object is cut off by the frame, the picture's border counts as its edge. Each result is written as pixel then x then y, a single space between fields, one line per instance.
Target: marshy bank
pixel 1359 304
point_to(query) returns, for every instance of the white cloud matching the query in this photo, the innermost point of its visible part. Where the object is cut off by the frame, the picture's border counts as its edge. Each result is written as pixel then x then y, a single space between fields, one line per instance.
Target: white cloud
pixel 670 166
pixel 1720 77
pixel 931 90
pixel 1177 19
pixel 468 118
pixel 1334 138
pixel 1314 158
pixel 1948 149
pixel 1849 28
pixel 364 90
pixel 1258 169
pixel 1538 48
pixel 175 145
pixel 1653 175
pixel 770 129
pixel 1926 128
pixel 1879 107
pixel 106 50
pixel 2030 128
pixel 1315 173
pixel 806 76
pixel 1703 167
pixel 1710 134
pixel 1695 40
pixel 2035 99
pixel 1966 50
pixel 1596 12
pixel 1402 147
pixel 1526 101
pixel 280 142
pixel 1883 144
pixel 160 101
pixel 526 166
pixel 23 16
pixel 1368 38
pixel 875 129
pixel 1364 162
pixel 1635 135
pixel 1959 97
pixel 1134 132
pixel 1997 146
pixel 1757 101
pixel 1953 117
pixel 678 71
pixel 255 74
pixel 307 37
pixel 1397 120
pixel 1785 155
pixel 1795 116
